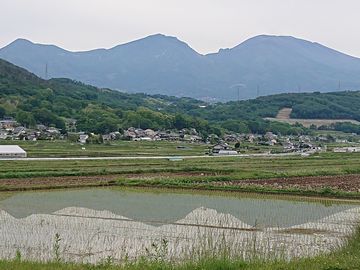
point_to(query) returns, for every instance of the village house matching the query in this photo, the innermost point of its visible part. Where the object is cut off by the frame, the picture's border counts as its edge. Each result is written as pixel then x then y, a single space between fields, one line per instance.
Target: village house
pixel 231 138
pixel 223 149
pixel 3 134
pixel 83 137
pixel 288 146
pixel 150 133
pixel 192 138
pixel 250 138
pixel 111 136
pixel 129 134
pixel 346 149
pixel 8 124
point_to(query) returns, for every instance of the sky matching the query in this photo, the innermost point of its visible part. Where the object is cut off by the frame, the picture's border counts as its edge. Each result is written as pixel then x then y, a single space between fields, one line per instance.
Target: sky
pixel 206 25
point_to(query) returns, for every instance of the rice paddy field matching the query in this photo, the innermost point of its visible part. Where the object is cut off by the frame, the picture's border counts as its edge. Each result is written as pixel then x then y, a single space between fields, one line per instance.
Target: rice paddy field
pixel 93 226
pixel 198 213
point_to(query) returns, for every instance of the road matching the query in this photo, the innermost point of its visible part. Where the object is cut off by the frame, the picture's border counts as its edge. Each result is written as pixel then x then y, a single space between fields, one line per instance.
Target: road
pixel 174 158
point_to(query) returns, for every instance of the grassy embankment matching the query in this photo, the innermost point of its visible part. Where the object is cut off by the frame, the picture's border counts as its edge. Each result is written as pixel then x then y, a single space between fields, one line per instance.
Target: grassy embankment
pixel 348 258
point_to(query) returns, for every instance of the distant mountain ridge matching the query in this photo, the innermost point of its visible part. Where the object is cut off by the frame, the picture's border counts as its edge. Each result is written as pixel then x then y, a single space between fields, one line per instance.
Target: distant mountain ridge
pixel 160 64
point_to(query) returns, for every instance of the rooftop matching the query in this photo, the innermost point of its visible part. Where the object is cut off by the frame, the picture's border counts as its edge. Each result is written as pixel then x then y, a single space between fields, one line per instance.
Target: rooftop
pixel 10 149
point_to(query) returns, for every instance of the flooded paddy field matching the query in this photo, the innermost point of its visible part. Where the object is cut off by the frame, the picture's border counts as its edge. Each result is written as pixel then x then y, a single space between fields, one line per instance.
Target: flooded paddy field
pixel 92 225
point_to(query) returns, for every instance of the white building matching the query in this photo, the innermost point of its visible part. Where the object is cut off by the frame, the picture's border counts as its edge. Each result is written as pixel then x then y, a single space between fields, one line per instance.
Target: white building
pixel 83 138
pixel 223 149
pixel 12 151
pixel 346 149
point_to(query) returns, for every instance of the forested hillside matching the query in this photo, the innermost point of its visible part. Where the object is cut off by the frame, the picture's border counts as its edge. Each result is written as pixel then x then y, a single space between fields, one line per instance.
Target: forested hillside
pixel 336 105
pixel 32 100
pixel 237 116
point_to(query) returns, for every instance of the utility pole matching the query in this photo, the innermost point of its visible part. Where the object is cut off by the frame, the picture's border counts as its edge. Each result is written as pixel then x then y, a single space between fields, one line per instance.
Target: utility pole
pixel 46 71
pixel 257 91
pixel 237 89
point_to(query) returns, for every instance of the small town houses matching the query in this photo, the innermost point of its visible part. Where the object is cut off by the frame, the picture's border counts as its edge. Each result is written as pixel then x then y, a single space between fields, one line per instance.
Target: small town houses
pixel 138 134
pixel 12 130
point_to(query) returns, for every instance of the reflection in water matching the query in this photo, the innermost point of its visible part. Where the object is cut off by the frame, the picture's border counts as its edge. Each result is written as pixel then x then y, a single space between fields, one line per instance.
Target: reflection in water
pixel 170 207
pixel 91 236
pixel 97 223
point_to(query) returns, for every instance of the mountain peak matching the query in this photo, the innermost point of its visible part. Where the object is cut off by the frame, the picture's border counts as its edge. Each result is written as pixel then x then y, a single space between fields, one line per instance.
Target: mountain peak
pixel 24 44
pixel 157 41
pixel 160 38
pixel 274 39
pixel 20 42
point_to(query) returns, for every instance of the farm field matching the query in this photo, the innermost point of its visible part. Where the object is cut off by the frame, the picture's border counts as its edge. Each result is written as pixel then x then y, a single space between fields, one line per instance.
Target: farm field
pixel 186 201
pixel 284 117
pixel 62 148
pixel 116 223
pixel 284 113
pixel 317 122
pixel 293 174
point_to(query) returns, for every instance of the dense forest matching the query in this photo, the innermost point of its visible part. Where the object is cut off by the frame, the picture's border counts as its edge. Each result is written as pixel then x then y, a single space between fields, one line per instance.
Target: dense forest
pixel 31 100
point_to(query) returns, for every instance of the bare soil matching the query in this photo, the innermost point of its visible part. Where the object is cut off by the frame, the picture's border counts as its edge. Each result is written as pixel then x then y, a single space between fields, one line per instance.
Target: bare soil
pixel 316 122
pixel 284 116
pixel 284 113
pixel 149 176
pixel 56 182
pixel 347 183
pixel 81 181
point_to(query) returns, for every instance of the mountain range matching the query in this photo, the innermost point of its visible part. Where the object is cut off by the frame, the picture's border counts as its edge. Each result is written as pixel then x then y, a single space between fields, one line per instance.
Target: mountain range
pixel 160 64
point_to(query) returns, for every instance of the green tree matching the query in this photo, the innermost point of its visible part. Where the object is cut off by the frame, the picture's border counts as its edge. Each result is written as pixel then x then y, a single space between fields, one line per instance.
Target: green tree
pixel 2 112
pixel 25 118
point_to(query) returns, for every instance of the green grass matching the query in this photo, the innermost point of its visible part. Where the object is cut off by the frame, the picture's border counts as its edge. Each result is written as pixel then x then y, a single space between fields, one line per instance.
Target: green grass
pixel 233 167
pixel 64 148
pixel 194 173
pixel 348 258
pixel 59 148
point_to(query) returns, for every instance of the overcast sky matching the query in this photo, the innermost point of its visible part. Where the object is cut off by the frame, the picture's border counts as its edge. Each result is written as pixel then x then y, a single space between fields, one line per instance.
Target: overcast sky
pixel 206 25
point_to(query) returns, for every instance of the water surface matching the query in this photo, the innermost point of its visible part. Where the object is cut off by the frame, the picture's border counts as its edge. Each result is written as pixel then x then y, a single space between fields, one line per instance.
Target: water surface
pixel 168 207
